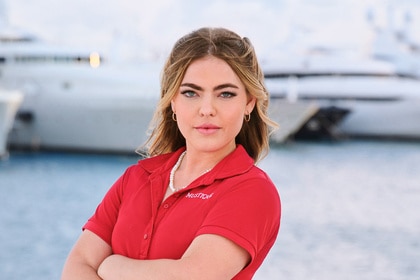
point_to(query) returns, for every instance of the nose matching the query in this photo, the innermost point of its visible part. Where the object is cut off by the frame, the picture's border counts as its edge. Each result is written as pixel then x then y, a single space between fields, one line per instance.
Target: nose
pixel 207 108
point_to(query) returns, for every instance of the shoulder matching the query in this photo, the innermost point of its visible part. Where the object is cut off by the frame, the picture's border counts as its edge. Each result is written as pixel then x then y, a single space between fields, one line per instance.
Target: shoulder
pixel 257 184
pixel 151 164
pixel 143 168
pixel 155 161
pixel 250 191
pixel 239 173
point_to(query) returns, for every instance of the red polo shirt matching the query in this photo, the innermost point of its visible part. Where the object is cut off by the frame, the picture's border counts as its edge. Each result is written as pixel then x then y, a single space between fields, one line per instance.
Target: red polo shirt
pixel 235 199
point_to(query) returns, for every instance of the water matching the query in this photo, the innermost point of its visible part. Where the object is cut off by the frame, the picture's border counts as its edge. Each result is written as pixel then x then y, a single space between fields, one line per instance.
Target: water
pixel 350 209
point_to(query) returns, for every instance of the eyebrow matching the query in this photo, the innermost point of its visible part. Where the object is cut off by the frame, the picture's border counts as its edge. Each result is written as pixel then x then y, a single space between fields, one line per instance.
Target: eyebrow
pixel 219 87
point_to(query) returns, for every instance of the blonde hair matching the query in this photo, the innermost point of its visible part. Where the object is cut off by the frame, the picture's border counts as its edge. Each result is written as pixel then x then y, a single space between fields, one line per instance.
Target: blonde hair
pixel 240 55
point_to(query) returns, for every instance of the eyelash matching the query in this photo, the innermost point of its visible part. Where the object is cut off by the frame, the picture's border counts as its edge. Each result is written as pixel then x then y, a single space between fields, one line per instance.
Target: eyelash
pixel 188 93
pixel 191 93
pixel 231 94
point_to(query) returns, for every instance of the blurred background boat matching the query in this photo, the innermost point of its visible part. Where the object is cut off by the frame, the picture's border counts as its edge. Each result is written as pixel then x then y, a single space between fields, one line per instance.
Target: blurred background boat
pixel 73 99
pixel 9 104
pixel 366 98
pixel 374 94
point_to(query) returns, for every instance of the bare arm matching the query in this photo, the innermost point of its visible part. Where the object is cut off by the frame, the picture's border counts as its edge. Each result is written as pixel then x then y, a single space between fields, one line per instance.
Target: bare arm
pixel 208 257
pixel 85 257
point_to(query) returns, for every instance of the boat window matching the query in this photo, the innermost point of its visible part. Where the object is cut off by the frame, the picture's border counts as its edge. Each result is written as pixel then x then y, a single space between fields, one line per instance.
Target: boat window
pixel 16 39
pixel 32 58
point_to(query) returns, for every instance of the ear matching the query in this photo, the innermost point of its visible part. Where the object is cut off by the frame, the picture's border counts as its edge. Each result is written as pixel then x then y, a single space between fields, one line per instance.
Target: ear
pixel 250 105
pixel 173 105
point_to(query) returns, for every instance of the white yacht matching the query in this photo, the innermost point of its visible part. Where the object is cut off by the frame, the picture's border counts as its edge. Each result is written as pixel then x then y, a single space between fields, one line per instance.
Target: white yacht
pixel 75 100
pixel 371 90
pixel 356 97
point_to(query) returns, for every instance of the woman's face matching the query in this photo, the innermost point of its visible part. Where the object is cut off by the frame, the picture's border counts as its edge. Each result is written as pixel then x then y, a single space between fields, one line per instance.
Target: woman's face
pixel 210 106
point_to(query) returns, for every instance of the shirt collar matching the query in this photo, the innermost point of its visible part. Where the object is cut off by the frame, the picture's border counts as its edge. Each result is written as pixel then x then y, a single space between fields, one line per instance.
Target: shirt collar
pixel 235 163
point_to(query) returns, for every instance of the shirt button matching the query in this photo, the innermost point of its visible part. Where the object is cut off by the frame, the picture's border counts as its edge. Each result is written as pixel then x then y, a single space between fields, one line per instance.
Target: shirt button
pixel 166 205
pixel 145 236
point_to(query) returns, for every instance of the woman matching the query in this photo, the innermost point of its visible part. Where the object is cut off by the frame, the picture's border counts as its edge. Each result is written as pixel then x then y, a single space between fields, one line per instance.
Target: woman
pixel 197 207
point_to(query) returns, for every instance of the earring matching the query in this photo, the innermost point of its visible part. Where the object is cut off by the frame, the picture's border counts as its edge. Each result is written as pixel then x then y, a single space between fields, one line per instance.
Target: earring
pixel 173 117
pixel 247 117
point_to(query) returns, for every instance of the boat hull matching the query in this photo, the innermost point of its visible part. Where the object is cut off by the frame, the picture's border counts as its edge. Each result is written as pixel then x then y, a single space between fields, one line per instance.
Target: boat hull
pixel 106 110
pixel 378 106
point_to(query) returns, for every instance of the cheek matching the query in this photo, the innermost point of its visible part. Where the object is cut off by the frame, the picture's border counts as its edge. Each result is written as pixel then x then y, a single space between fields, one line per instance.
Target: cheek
pixel 235 120
pixel 184 113
pixel 184 117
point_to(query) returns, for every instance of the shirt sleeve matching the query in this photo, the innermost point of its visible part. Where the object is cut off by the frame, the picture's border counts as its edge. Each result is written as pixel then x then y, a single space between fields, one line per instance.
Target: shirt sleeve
pixel 103 220
pixel 248 214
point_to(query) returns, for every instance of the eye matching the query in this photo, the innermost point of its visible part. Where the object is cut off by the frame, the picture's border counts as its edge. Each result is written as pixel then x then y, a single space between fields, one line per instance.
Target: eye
pixel 188 93
pixel 227 94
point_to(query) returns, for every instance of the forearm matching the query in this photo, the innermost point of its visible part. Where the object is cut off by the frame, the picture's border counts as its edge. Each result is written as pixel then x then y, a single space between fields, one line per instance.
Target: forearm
pixel 118 267
pixel 77 270
pixel 209 257
pixel 85 257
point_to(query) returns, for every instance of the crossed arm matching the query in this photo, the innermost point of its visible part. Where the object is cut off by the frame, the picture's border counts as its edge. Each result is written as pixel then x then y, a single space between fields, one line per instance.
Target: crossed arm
pixel 208 257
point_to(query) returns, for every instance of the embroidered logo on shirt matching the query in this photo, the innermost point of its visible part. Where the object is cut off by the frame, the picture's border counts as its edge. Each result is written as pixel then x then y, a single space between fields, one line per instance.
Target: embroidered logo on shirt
pixel 199 195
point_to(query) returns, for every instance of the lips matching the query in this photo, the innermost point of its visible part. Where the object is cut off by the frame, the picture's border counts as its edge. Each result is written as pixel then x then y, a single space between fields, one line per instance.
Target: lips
pixel 207 128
